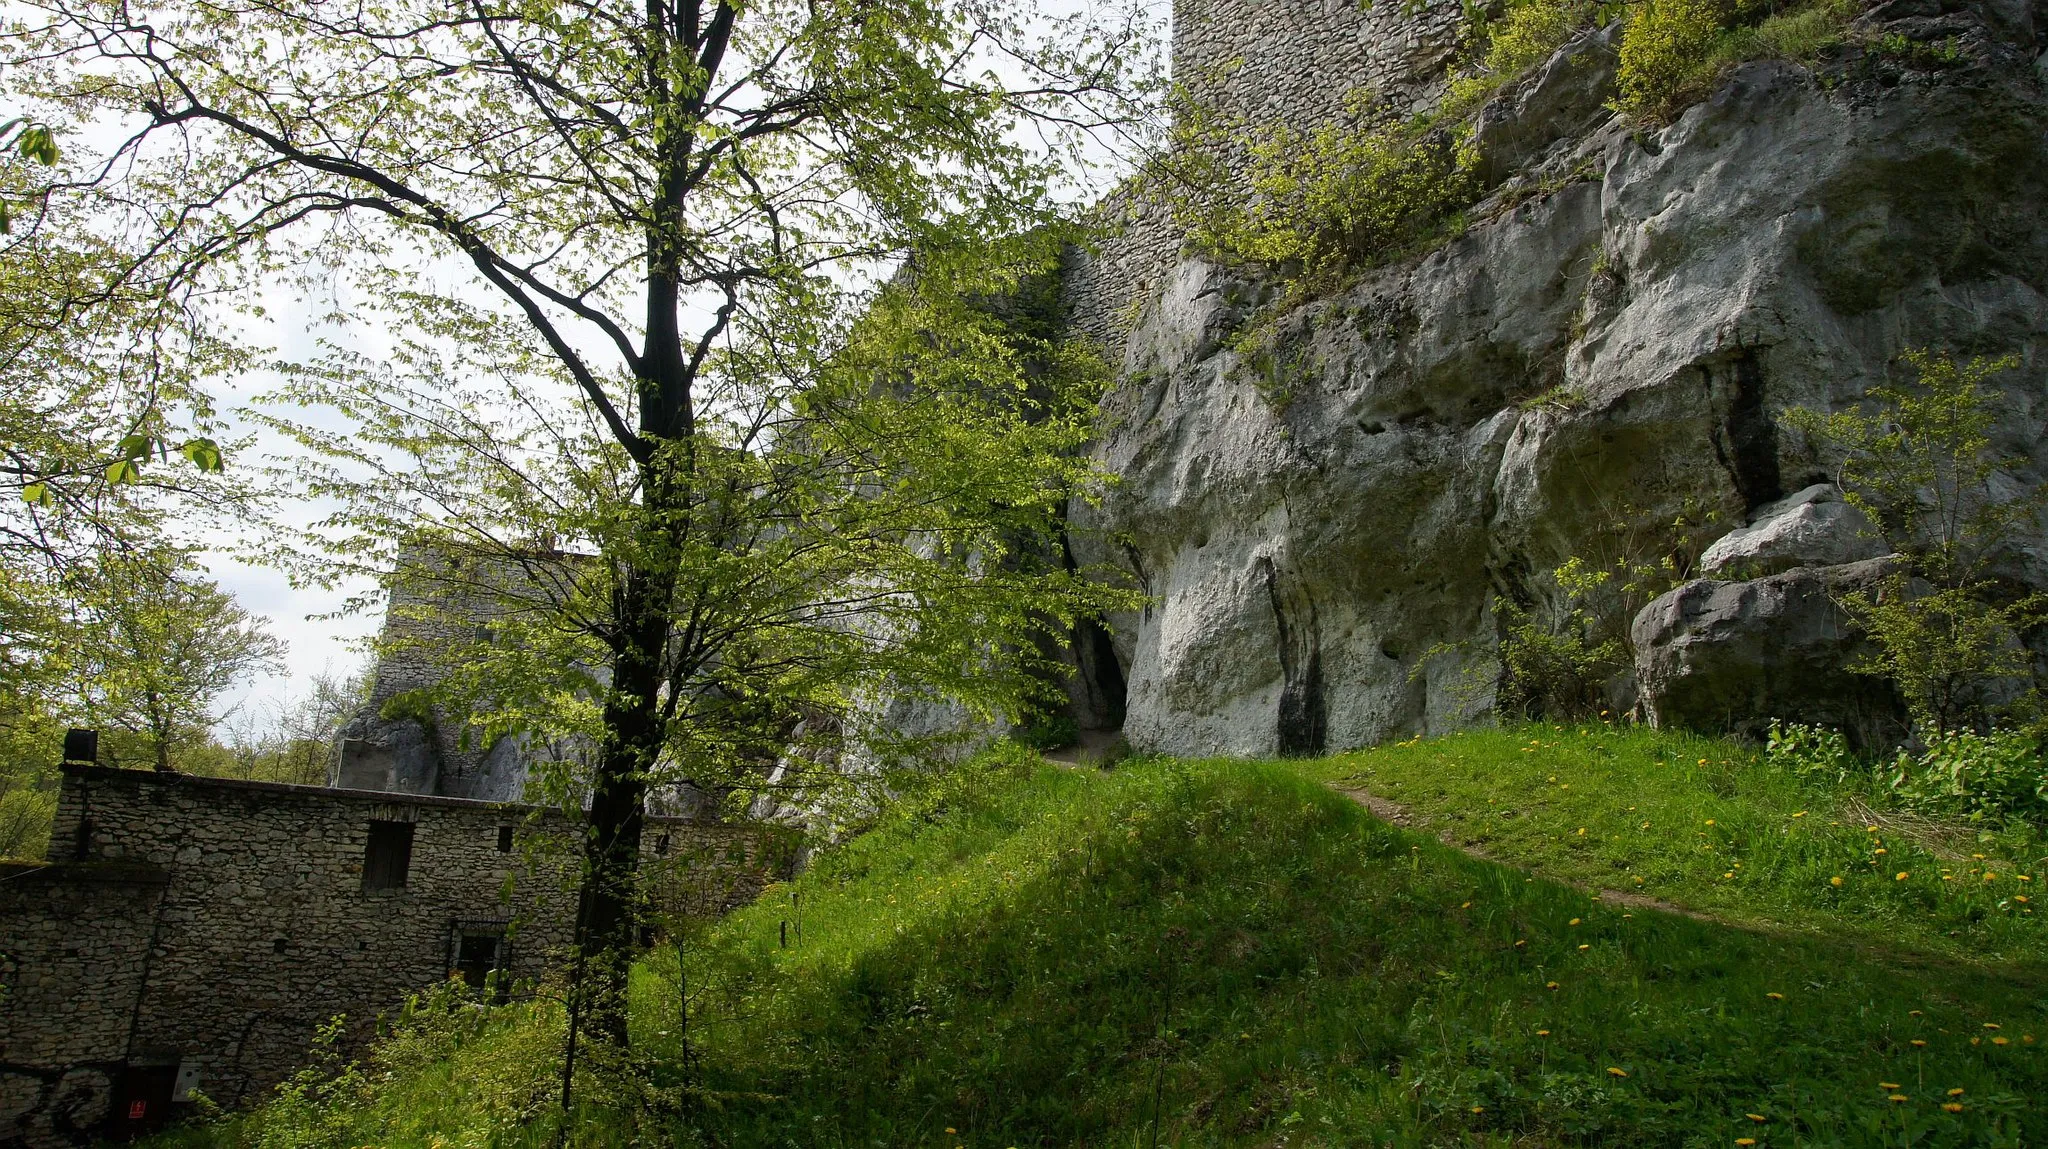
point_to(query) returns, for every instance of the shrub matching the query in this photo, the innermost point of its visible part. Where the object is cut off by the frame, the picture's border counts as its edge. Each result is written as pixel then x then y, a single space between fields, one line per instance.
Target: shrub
pixel 1559 672
pixel 1525 36
pixel 1670 55
pixel 1673 51
pixel 1922 466
pixel 1325 203
pixel 1815 753
pixel 1047 732
pixel 1984 777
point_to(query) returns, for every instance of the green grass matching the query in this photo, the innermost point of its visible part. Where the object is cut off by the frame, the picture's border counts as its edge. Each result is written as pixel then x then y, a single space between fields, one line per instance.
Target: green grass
pixel 1711 826
pixel 1037 957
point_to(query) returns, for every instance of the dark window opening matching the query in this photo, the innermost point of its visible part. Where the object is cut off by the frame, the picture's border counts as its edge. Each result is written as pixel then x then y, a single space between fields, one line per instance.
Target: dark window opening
pixel 661 845
pixel 277 947
pixel 388 856
pixel 485 634
pixel 479 954
pixel 504 839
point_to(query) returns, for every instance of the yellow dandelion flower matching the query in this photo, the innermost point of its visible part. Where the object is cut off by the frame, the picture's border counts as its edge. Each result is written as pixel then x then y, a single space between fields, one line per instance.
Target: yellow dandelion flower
pixel 1912 1013
pixel 1834 881
pixel 951 1130
pixel 1710 821
pixel 1952 1106
pixel 1479 1109
pixel 1614 1072
pixel 1520 944
pixel 1889 1085
pixel 2001 1041
pixel 1896 1098
pixel 1800 814
pixel 1918 1044
pixel 2020 898
pixel 1976 1041
pixel 1582 831
pixel 1466 906
pixel 1573 922
pixel 1903 875
pixel 1756 1117
pixel 1872 829
pixel 1549 985
pixel 1585 947
pixel 1543 1033
pixel 1775 996
pixel 1955 1093
pixel 1992 1025
pixel 1745 1140
pixel 1989 876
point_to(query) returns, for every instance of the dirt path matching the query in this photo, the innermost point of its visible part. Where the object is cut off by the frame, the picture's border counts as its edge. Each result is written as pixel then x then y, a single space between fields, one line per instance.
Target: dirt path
pixel 1389 812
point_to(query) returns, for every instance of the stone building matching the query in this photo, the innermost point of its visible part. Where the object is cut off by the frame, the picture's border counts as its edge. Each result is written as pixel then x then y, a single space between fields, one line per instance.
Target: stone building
pixel 445 607
pixel 192 932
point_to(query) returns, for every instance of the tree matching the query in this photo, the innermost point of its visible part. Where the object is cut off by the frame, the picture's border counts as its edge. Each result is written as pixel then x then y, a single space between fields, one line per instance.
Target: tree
pixel 669 216
pixel 1923 466
pixel 159 647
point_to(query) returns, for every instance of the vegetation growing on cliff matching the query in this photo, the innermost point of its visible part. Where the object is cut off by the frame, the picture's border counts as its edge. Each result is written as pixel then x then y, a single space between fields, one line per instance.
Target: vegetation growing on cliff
pixel 1314 208
pixel 1232 954
pixel 1948 623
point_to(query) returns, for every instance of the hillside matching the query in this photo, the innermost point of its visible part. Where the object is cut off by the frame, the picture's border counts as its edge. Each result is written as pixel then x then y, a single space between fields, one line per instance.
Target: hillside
pixel 1229 953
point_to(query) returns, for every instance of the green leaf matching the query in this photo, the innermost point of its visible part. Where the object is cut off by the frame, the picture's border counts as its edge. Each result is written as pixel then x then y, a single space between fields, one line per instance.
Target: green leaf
pixel 135 447
pixel 37 495
pixel 39 144
pixel 205 455
pixel 124 471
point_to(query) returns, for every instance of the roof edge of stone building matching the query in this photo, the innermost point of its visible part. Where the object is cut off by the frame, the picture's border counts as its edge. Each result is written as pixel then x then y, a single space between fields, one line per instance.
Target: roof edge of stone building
pixel 201 782
pixel 109 873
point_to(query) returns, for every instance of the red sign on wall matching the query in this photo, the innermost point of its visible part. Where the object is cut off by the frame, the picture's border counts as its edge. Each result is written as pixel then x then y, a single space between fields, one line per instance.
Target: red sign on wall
pixel 137 1109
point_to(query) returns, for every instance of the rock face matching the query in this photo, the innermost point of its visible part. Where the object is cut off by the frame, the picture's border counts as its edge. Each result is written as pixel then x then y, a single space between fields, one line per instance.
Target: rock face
pixel 1326 520
pixel 1734 655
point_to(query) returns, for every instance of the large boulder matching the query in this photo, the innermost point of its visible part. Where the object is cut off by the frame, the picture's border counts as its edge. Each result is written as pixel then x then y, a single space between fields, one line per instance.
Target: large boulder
pixel 1730 657
pixel 1814 528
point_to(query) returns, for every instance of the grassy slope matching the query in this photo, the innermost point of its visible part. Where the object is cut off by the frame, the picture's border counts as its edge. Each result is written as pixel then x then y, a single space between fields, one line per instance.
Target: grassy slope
pixel 1708 825
pixel 1033 960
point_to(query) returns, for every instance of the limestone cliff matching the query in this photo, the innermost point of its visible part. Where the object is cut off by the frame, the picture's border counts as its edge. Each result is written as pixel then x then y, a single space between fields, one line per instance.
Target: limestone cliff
pixel 1606 349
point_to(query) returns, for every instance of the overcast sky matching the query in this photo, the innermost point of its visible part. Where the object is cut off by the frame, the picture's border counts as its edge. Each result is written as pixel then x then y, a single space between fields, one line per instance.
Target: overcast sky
pixel 319 644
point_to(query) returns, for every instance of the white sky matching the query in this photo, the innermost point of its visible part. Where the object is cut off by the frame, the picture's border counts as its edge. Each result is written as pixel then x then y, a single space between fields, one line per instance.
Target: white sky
pixel 317 644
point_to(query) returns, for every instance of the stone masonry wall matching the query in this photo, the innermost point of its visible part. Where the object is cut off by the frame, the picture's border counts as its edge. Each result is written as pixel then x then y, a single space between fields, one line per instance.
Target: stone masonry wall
pixel 1264 65
pixel 215 924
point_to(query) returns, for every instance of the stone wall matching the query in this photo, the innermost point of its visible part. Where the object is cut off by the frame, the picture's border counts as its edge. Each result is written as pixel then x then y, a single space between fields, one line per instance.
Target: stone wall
pixel 1262 65
pixel 1299 64
pixel 214 924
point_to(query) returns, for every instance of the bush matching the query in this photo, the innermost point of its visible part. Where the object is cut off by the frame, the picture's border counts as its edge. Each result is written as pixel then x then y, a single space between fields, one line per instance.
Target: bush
pixel 1047 732
pixel 1814 753
pixel 1561 672
pixel 1674 51
pixel 1923 467
pixel 1670 55
pixel 1995 777
pixel 1338 199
